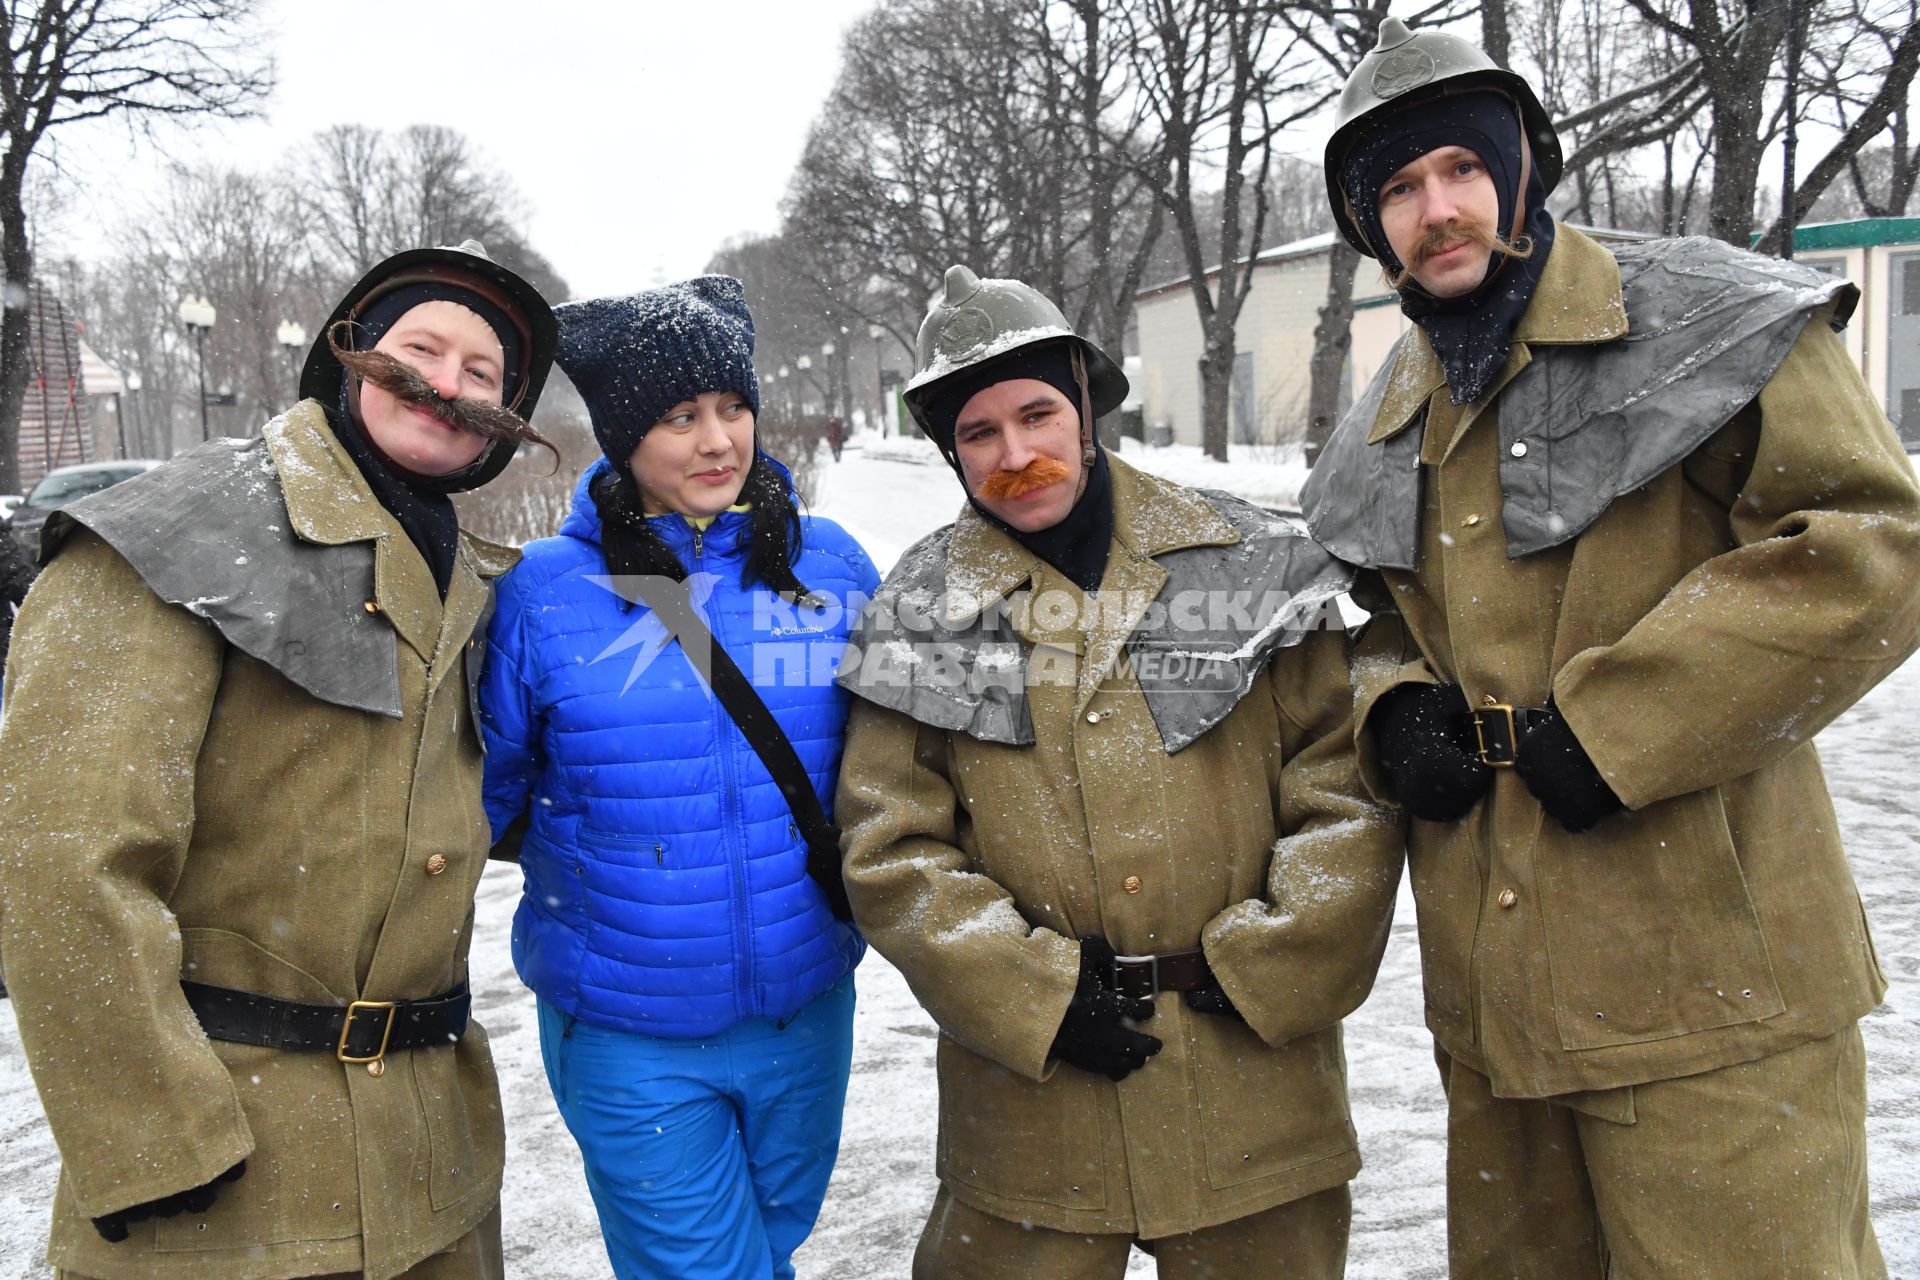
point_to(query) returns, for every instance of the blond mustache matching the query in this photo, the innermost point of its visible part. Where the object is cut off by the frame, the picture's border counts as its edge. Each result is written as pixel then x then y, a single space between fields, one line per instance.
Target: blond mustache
pixel 1037 474
pixel 1436 240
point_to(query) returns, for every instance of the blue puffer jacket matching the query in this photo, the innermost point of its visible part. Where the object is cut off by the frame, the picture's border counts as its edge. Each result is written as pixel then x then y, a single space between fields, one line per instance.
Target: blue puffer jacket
pixel 666 882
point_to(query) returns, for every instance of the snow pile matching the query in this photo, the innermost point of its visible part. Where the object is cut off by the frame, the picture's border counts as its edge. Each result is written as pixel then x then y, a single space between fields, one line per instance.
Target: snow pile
pixel 1267 475
pixel 915 449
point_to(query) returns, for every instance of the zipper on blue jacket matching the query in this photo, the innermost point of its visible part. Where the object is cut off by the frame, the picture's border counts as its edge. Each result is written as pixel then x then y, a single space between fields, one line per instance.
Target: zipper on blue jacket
pixel 733 823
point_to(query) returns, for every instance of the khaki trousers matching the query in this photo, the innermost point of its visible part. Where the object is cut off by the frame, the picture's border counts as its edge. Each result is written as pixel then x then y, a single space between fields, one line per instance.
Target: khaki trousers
pixel 1304 1239
pixel 1756 1171
pixel 474 1256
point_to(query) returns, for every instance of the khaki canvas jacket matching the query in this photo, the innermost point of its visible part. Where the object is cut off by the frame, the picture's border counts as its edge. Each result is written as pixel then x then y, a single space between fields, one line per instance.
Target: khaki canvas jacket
pixel 1696 636
pixel 172 807
pixel 975 866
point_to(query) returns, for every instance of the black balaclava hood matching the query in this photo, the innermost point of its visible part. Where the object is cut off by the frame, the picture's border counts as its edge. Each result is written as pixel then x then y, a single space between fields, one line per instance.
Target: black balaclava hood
pixel 1077 546
pixel 1472 333
pixel 384 311
pixel 425 513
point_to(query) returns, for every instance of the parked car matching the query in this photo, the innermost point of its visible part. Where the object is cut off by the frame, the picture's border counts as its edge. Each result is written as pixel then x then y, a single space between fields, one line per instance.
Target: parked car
pixel 8 501
pixel 61 486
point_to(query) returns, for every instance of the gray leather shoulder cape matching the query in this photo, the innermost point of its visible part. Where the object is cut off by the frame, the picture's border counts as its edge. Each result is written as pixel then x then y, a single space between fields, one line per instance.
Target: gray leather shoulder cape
pixel 1198 648
pixel 209 531
pixel 1707 326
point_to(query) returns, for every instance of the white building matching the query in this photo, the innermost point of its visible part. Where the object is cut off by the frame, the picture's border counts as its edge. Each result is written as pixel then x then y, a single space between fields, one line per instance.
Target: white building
pixel 1274 336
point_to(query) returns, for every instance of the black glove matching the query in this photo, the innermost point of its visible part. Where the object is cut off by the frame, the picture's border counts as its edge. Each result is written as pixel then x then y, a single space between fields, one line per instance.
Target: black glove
pixel 824 866
pixel 1426 741
pixel 1092 1036
pixel 113 1226
pixel 1560 773
pixel 1213 999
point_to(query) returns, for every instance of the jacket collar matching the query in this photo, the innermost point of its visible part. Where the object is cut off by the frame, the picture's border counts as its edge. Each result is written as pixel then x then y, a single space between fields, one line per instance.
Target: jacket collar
pixel 329 502
pixel 1151 517
pixel 1578 301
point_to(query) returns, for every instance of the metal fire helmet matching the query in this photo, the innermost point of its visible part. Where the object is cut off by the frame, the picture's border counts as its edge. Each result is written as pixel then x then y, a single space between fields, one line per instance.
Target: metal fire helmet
pixel 974 321
pixel 1407 68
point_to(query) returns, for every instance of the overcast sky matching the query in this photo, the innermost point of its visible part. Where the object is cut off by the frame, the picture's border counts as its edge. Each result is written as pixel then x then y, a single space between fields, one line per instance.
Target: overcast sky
pixel 643 132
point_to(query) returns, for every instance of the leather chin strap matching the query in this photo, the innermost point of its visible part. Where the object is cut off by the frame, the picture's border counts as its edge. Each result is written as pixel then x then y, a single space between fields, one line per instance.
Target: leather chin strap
pixel 1526 176
pixel 1079 359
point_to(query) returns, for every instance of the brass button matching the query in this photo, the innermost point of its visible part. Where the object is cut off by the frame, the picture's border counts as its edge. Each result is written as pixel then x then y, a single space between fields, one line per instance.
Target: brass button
pixel 1132 884
pixel 377 1068
pixel 1093 717
pixel 436 864
pixel 1471 521
pixel 1507 898
pixel 371 606
pixel 1488 700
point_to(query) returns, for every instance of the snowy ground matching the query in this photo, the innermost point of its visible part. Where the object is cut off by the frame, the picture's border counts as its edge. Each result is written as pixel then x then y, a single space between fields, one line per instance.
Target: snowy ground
pixel 884 1182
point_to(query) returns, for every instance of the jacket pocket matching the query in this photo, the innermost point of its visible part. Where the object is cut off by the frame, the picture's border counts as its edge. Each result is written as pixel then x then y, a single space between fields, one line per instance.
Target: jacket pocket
pixel 1446 892
pixel 458 1094
pixel 1266 1111
pixel 1020 1139
pixel 627 848
pixel 302 1180
pixel 1650 930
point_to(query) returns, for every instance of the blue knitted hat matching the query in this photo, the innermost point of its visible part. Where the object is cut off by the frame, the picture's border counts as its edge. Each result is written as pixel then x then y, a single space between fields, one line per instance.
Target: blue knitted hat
pixel 635 357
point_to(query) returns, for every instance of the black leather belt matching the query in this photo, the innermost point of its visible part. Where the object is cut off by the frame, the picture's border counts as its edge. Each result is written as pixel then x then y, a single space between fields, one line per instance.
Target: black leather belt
pixel 364 1031
pixel 1142 977
pixel 1499 729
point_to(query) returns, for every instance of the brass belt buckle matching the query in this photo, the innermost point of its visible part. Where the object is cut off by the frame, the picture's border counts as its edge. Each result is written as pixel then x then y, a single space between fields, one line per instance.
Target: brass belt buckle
pixel 1153 974
pixel 1498 754
pixel 346 1029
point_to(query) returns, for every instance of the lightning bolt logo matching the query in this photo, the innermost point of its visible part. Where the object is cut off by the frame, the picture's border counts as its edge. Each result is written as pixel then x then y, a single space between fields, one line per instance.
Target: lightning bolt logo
pixel 680 612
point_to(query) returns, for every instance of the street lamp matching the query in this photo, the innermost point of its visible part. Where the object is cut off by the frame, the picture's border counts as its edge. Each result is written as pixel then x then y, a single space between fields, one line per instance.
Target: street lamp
pixel 292 338
pixel 132 407
pixel 198 315
pixel 877 332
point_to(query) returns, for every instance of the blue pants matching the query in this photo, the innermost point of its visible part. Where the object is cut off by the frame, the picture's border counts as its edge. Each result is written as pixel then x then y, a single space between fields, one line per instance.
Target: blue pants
pixel 707 1159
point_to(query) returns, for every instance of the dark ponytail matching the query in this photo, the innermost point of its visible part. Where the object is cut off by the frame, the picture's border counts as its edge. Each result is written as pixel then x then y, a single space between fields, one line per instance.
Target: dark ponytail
pixel 632 547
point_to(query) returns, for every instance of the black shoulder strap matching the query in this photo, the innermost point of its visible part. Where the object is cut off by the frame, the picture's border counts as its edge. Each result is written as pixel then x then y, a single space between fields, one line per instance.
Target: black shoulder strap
pixel 674 607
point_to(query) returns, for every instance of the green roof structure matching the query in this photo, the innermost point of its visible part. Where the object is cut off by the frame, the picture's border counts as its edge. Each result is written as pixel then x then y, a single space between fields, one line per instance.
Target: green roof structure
pixel 1861 233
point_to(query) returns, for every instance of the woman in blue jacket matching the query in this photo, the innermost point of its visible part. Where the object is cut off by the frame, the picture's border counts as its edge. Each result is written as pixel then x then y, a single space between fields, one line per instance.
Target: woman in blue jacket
pixel 695 986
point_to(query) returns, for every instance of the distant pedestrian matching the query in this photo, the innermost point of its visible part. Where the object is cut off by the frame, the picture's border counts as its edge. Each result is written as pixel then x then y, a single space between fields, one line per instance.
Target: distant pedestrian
pixel 684 924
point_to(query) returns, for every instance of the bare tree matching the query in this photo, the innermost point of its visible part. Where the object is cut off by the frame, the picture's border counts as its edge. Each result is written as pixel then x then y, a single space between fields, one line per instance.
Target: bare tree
pixel 267 247
pixel 1863 54
pixel 142 61
pixel 1880 180
pixel 240 239
pixel 372 193
pixel 1124 170
pixel 1210 72
pixel 1334 37
pixel 951 136
pixel 127 303
pixel 1869 75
